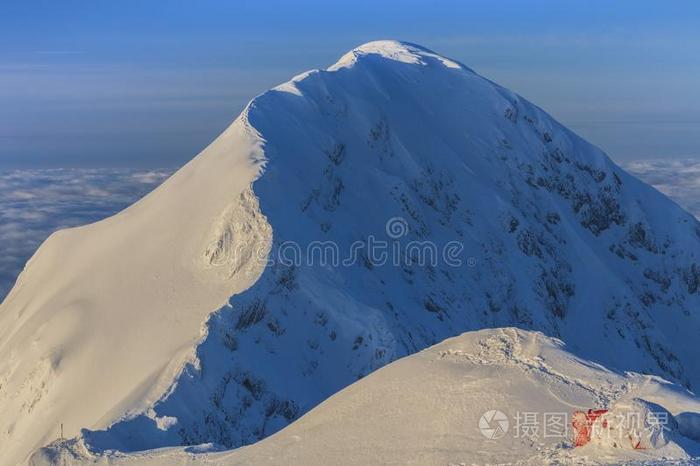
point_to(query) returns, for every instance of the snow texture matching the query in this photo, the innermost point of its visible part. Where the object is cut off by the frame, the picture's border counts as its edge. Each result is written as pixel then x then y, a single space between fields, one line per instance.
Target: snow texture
pixel 426 409
pixel 104 330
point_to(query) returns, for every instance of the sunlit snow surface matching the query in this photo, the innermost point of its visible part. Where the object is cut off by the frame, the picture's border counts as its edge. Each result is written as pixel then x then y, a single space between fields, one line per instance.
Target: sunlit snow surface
pixel 35 203
pixel 431 408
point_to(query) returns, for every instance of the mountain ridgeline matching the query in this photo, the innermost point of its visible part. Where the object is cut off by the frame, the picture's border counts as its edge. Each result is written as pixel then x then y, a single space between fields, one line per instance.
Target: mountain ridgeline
pixel 559 238
pixel 546 233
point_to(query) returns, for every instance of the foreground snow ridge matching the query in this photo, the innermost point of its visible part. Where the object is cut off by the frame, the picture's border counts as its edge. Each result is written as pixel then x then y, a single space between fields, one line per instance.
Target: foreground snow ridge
pixel 166 326
pixel 426 409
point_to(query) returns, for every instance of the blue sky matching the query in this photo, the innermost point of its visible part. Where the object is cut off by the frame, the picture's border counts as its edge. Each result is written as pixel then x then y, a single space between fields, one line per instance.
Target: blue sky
pixel 149 84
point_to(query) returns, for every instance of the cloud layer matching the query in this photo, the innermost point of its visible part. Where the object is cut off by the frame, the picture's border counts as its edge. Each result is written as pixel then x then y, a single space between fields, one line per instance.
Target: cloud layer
pixel 679 179
pixel 35 203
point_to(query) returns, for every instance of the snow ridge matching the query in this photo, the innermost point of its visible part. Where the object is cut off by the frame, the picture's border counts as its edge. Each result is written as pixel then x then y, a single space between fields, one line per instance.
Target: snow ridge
pixel 554 237
pixel 426 408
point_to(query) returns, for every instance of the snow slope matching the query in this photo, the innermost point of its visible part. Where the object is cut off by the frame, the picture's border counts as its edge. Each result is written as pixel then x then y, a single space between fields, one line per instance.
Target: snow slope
pixel 103 317
pixel 426 408
pixel 100 331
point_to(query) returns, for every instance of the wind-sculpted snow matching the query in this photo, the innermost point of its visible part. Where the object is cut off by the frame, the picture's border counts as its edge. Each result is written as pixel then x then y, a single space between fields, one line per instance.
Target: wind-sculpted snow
pixel 104 317
pixel 505 218
pixel 439 407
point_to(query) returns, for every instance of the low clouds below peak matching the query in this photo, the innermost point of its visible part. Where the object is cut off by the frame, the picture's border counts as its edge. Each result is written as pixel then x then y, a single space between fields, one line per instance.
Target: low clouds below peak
pixel 35 203
pixel 679 179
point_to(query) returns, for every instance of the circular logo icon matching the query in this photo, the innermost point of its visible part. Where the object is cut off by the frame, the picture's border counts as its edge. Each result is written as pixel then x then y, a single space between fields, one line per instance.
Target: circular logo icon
pixel 493 424
pixel 396 227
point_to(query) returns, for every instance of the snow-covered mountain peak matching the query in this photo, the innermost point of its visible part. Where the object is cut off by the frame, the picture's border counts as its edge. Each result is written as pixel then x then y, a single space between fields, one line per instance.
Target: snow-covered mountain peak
pixel 381 58
pixel 491 214
pixel 404 52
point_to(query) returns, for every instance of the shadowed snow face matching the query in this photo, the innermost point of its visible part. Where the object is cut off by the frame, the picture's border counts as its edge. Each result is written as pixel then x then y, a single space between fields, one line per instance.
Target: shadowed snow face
pixel 35 203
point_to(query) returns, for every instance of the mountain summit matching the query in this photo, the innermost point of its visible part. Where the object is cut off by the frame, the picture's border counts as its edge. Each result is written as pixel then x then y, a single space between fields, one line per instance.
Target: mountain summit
pixel 347 218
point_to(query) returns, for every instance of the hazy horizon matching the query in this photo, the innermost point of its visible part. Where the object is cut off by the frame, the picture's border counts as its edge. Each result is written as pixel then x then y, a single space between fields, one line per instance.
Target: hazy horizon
pixel 144 85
